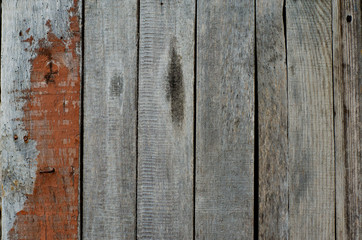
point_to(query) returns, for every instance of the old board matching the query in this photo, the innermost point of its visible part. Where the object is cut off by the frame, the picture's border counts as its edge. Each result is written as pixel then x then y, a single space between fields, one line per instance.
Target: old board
pixel 40 126
pixel 110 80
pixel 187 119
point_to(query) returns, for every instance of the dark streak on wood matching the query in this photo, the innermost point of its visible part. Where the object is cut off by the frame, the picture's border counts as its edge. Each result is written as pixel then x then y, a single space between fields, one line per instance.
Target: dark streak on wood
pixel 116 87
pixel 175 87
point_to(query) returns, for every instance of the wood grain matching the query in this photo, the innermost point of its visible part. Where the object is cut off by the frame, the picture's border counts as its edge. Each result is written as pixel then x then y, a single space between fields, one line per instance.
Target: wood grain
pixel 273 119
pixel 225 119
pixel 1 149
pixel 311 165
pixel 165 130
pixel 40 124
pixel 347 45
pixel 109 187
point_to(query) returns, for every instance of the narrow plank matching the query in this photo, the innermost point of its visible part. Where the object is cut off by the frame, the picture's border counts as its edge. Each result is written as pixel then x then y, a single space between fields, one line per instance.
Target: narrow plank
pixel 310 103
pixel 40 98
pixel 1 123
pixel 225 119
pixel 273 119
pixel 165 153
pixel 347 45
pixel 110 75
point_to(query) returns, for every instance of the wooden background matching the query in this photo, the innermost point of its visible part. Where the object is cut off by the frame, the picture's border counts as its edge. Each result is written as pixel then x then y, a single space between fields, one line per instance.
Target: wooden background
pixel 181 119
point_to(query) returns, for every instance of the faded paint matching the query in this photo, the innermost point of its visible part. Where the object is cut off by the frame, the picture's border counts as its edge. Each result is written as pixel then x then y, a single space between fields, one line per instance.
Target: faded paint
pixel 51 120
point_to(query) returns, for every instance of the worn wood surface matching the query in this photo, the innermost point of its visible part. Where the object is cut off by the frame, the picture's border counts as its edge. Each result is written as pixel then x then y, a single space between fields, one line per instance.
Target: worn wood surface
pixel 40 50
pixel 1 128
pixel 165 126
pixel 273 119
pixel 110 68
pixel 347 47
pixel 310 103
pixel 293 64
pixel 225 120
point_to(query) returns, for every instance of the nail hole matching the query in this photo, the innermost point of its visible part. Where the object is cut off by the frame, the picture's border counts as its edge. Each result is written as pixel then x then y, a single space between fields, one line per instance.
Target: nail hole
pixel 26 139
pixel 15 137
pixel 47 170
pixel 161 3
pixel 349 18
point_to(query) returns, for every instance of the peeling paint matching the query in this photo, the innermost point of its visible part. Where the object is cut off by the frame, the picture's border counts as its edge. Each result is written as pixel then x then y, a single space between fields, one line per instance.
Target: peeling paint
pixel 39 203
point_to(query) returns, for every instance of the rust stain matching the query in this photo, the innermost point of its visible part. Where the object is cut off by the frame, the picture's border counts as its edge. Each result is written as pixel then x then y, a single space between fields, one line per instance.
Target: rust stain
pixel 52 120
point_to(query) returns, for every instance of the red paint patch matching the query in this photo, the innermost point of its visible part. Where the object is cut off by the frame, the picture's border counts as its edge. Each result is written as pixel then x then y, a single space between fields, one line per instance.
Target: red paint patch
pixel 29 40
pixel 52 120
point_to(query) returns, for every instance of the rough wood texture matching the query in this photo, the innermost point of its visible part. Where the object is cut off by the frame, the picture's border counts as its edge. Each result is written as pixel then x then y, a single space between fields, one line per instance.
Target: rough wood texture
pixel 1 149
pixel 165 156
pixel 347 102
pixel 225 119
pixel 40 124
pixel 109 190
pixel 310 104
pixel 273 119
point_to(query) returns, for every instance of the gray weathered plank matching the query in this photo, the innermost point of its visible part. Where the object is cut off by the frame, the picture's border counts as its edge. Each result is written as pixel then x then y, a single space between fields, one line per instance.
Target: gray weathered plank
pixel 225 119
pixel 273 119
pixel 109 187
pixel 310 107
pixel 40 50
pixel 165 155
pixel 347 45
pixel 1 117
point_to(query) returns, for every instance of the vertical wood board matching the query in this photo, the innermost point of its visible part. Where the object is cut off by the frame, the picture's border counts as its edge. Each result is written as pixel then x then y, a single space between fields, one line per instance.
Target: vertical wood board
pixel 225 120
pixel 110 75
pixel 347 45
pixel 165 114
pixel 273 119
pixel 40 135
pixel 311 165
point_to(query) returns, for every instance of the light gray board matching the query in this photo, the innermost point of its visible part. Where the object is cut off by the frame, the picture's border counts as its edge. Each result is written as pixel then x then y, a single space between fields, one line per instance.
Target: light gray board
pixel 311 166
pixel 225 119
pixel 165 132
pixel 110 68
pixel 273 119
pixel 347 45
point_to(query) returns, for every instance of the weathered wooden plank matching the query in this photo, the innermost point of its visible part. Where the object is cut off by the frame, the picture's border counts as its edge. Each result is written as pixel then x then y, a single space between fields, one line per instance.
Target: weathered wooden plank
pixel 165 155
pixel 109 187
pixel 1 117
pixel 347 45
pixel 40 98
pixel 310 103
pixel 273 119
pixel 225 119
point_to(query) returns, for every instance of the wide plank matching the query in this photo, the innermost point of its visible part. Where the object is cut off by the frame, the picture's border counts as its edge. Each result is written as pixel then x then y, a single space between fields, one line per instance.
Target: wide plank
pixel 273 119
pixel 110 110
pixel 225 108
pixel 41 80
pixel 166 120
pixel 311 165
pixel 347 58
